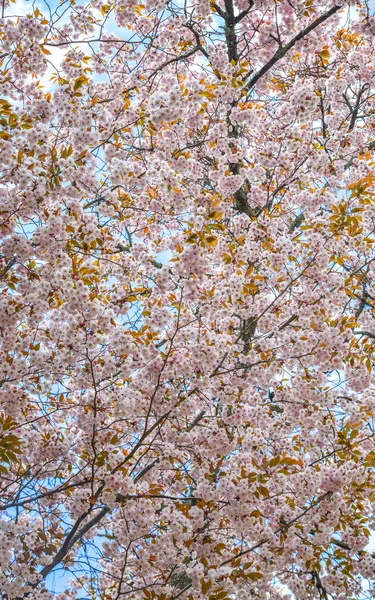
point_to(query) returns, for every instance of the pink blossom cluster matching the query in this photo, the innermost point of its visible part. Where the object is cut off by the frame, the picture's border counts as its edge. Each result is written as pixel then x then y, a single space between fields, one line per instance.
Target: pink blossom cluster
pixel 187 290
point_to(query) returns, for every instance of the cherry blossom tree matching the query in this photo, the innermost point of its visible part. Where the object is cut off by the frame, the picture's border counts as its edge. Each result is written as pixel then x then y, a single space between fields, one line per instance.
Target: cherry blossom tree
pixel 187 302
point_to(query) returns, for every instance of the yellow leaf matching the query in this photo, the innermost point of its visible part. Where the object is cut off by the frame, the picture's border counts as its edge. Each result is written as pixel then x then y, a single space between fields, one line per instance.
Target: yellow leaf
pixel 44 50
pixel 79 82
pixel 211 240
pixel 104 9
pixel 206 585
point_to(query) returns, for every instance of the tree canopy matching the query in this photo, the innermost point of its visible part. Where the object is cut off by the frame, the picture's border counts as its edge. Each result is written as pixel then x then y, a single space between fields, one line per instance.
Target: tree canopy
pixel 187 334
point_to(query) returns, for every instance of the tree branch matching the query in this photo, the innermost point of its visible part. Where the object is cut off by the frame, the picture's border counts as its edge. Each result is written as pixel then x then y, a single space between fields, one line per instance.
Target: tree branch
pixel 282 50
